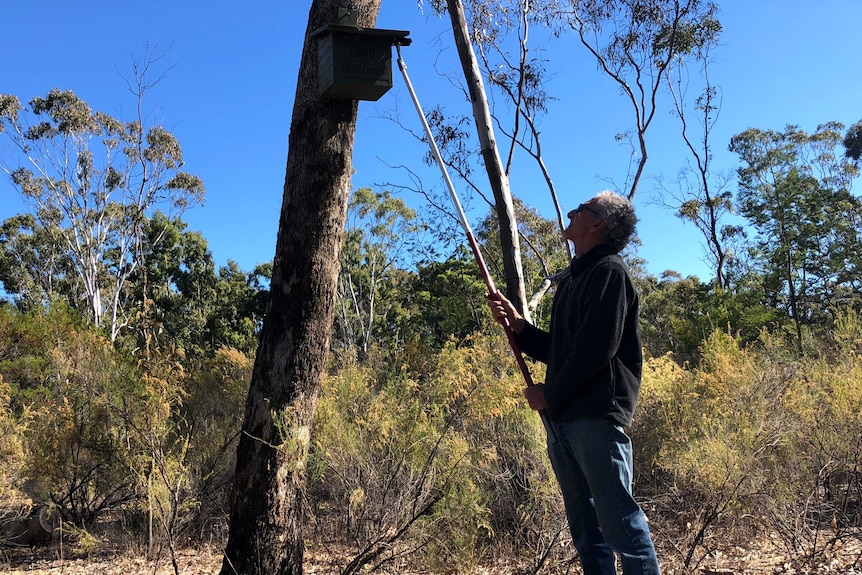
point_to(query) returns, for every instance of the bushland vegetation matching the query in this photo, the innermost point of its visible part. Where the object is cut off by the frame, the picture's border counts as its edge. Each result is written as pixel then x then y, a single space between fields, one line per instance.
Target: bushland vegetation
pixel 121 422
pixel 427 456
pixel 422 451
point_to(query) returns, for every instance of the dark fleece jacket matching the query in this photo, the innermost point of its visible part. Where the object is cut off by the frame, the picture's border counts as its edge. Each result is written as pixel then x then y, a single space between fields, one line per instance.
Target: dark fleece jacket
pixel 593 349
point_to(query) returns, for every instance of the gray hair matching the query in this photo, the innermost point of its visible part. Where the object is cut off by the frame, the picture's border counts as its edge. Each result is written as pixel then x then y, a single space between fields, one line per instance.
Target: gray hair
pixel 620 213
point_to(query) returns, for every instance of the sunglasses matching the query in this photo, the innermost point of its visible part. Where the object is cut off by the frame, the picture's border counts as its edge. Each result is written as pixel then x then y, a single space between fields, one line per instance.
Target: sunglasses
pixel 589 209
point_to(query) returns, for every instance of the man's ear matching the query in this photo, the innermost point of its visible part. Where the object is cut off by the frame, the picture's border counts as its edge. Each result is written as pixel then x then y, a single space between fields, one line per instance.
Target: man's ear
pixel 600 229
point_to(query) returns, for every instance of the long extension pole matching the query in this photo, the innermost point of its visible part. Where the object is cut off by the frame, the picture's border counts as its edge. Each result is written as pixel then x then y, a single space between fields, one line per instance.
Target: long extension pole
pixel 471 239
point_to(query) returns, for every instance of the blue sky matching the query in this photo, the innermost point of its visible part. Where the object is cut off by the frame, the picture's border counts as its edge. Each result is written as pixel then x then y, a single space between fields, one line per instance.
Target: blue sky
pixel 231 74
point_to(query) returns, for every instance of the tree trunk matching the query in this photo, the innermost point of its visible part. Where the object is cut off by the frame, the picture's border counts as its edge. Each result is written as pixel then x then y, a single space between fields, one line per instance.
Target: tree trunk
pixel 265 534
pixel 497 176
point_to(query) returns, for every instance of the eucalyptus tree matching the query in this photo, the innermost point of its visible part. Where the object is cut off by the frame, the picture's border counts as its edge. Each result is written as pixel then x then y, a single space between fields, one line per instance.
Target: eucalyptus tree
pixel 853 141
pixel 517 71
pixel 449 297
pixel 637 43
pixel 90 181
pixel 519 78
pixel 678 314
pixel 794 189
pixel 178 279
pixel 498 176
pixel 266 515
pixel 379 232
pixel 235 315
pixel 195 307
pixel 703 196
pixel 32 273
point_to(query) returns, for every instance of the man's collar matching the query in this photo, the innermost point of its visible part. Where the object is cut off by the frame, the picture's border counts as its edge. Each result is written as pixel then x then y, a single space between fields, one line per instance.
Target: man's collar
pixel 580 263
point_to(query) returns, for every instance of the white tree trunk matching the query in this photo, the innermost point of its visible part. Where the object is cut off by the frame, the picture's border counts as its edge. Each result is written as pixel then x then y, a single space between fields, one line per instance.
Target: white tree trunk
pixel 497 176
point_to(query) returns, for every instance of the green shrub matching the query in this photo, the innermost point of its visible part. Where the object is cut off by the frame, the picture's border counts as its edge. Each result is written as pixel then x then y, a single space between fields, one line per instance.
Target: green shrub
pixel 212 409
pixel 446 463
pixel 12 456
pixel 822 496
pixel 80 444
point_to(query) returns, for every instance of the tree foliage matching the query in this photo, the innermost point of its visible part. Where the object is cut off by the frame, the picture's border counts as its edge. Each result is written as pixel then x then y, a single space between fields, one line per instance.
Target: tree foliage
pixel 637 44
pixel 449 299
pixel 853 141
pixel 678 314
pixel 185 302
pixel 33 274
pixel 372 282
pixel 795 192
pixel 90 181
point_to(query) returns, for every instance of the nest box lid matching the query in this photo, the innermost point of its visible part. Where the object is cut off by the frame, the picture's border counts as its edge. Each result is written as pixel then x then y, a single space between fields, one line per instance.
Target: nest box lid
pixel 355 63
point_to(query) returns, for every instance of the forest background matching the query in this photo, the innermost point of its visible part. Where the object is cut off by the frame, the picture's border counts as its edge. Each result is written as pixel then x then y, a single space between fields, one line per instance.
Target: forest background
pixel 125 361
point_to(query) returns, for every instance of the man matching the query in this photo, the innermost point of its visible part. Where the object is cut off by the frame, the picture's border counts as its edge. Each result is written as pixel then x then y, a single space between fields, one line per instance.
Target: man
pixel 594 357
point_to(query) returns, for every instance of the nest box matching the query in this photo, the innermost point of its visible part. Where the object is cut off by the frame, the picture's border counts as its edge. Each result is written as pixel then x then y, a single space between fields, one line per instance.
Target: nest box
pixel 355 63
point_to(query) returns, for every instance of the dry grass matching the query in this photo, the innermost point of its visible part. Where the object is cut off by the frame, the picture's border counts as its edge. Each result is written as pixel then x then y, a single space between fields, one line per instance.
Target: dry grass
pixel 204 562
pixel 733 561
pixel 119 558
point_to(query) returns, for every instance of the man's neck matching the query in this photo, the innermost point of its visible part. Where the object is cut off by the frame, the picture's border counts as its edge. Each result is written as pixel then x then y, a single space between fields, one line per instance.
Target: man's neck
pixel 582 250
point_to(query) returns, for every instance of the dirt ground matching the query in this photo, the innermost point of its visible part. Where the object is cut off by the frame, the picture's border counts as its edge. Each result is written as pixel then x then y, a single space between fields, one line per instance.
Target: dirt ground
pixel 734 561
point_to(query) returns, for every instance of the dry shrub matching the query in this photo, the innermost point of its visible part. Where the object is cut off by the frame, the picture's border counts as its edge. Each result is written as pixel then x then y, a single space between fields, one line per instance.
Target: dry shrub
pixel 753 438
pixel 434 469
pixel 79 445
pixel 11 449
pixel 821 501
pixel 213 410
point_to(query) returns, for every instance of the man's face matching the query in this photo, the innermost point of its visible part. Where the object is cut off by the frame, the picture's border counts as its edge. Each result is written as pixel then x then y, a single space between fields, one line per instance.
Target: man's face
pixel 582 222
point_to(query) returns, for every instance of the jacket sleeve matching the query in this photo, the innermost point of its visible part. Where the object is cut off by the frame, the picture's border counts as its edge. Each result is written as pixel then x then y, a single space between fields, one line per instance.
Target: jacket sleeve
pixel 534 342
pixel 603 308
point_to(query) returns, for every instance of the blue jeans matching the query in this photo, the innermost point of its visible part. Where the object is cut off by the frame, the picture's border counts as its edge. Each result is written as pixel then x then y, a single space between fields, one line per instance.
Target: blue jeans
pixel 592 460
